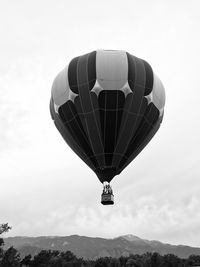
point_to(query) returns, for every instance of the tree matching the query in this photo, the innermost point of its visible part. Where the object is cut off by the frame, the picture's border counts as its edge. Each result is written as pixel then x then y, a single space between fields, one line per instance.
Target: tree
pixel 3 229
pixel 131 263
pixel 44 257
pixel 26 261
pixel 171 260
pixel 68 256
pixel 11 258
pixel 123 260
pixel 102 262
pixel 114 262
pixel 156 259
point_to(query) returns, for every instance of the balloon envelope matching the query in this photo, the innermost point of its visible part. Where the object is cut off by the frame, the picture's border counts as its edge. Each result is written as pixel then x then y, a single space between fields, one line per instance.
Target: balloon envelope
pixel 107 105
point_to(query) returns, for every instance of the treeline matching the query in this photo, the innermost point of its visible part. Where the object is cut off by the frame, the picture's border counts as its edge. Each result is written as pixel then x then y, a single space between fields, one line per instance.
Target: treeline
pixel 52 258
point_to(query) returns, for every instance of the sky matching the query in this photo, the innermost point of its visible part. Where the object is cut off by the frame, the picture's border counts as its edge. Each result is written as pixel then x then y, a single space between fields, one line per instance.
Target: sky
pixel 45 189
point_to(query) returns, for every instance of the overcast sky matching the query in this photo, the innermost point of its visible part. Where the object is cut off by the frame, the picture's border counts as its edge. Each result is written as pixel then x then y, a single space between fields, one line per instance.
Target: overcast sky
pixel 45 189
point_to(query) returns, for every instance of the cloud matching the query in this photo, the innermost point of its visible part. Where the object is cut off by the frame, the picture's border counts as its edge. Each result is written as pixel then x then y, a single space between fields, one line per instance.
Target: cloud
pixel 167 211
pixel 146 218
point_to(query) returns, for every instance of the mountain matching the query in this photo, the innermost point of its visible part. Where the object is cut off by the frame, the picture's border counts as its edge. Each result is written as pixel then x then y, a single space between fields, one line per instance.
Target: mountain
pixel 95 247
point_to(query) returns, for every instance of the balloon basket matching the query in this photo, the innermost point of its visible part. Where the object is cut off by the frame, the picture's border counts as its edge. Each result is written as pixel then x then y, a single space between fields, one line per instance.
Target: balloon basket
pixel 107 199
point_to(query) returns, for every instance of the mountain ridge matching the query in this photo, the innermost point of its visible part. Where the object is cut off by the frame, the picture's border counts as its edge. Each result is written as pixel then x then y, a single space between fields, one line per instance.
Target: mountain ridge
pixel 96 247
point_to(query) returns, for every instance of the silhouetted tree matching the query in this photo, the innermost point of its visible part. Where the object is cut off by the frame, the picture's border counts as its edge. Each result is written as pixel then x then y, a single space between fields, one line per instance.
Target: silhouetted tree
pixel 3 229
pixel 68 256
pixel 156 259
pixel 114 262
pixel 102 262
pixel 171 260
pixel 132 263
pixel 192 260
pixel 11 258
pixel 44 258
pixel 26 261
pixel 122 260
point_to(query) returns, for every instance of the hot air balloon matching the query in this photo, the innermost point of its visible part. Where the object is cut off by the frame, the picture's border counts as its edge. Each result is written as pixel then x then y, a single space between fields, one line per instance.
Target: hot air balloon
pixel 107 105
